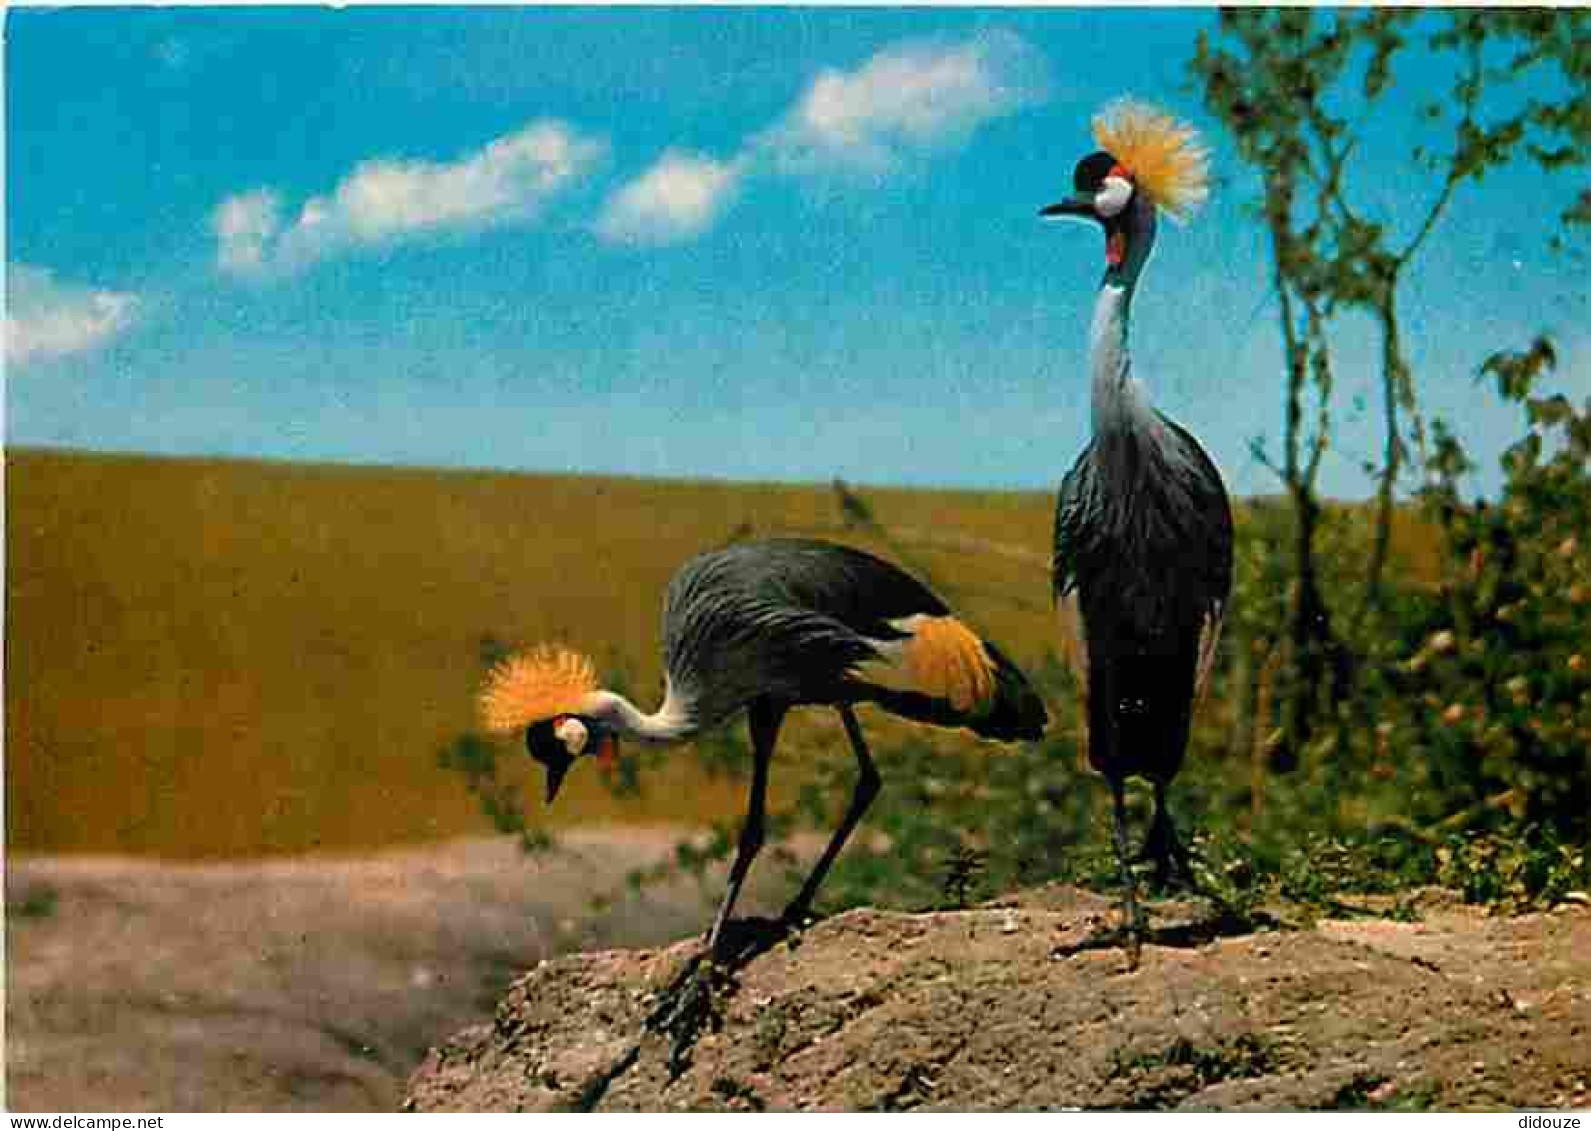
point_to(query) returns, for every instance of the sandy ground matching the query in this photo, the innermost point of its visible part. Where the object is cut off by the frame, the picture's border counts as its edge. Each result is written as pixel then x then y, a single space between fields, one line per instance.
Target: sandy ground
pixel 302 984
pixel 993 1008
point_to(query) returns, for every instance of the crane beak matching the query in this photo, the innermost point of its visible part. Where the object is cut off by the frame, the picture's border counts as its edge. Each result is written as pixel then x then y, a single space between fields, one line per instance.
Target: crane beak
pixel 544 745
pixel 555 776
pixel 1071 206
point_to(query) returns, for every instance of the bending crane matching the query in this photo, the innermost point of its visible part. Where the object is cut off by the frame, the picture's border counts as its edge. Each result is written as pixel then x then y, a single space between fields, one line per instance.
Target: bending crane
pixel 762 627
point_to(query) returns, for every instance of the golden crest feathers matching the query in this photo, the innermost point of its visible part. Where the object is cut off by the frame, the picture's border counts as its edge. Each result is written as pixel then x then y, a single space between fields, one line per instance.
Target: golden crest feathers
pixel 535 685
pixel 1165 156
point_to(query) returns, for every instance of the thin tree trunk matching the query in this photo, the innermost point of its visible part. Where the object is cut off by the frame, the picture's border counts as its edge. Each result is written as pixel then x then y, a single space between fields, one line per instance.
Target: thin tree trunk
pixel 1309 628
pixel 1391 457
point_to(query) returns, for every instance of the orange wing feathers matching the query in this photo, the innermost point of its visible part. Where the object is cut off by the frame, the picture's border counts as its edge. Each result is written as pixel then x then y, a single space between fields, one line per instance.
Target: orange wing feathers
pixel 946 659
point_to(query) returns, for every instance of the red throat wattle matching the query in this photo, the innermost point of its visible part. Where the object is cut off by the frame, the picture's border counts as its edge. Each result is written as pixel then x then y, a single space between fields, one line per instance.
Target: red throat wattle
pixel 1116 248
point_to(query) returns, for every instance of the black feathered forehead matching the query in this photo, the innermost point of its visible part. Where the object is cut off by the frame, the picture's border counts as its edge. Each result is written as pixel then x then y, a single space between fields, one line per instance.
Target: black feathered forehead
pixel 1092 170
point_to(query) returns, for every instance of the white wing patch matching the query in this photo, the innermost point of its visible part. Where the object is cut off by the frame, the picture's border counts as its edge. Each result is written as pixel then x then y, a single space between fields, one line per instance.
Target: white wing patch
pixel 889 670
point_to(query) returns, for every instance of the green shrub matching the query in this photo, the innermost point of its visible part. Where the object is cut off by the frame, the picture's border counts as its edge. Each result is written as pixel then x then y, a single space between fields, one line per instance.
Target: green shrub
pixel 1518 871
pixel 1480 703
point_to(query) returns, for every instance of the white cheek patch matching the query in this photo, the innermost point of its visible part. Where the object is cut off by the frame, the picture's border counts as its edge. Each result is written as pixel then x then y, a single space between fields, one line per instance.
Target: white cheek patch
pixel 1112 196
pixel 574 736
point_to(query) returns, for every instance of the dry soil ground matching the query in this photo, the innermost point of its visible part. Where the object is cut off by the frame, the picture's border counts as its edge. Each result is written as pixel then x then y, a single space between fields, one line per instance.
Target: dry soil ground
pixel 986 1009
pixel 320 983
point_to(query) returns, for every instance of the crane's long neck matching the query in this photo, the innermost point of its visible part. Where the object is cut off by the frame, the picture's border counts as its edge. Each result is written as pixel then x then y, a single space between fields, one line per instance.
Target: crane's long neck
pixel 672 722
pixel 1119 401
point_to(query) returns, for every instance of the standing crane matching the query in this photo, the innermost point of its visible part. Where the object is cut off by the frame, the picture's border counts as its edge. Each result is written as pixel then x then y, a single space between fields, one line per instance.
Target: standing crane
pixel 762 627
pixel 1143 526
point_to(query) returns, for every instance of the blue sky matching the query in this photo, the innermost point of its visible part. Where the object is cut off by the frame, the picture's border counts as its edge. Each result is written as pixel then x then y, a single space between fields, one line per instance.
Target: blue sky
pixel 759 244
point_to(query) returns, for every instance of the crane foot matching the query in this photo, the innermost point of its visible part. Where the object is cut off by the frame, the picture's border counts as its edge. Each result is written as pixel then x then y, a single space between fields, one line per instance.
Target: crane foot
pixel 693 1002
pixel 689 1006
pixel 1172 862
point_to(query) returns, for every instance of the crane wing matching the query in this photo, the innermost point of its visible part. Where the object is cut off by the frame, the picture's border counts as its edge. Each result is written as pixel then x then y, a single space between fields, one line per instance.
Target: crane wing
pixel 787 618
pixel 814 622
pixel 1211 499
pixel 1070 507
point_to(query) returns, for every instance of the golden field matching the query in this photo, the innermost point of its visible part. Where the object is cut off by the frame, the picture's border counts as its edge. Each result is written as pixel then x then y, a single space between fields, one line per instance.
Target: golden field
pixel 219 658
pixel 210 658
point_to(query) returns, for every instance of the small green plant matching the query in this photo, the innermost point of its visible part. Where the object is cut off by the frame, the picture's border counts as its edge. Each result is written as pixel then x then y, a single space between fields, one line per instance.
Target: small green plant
pixel 961 879
pixel 1515 872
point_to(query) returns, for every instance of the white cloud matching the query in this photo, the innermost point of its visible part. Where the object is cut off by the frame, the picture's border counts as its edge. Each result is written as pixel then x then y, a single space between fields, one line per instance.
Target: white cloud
pixel 677 198
pixel 245 226
pixel 46 318
pixel 914 97
pixel 508 181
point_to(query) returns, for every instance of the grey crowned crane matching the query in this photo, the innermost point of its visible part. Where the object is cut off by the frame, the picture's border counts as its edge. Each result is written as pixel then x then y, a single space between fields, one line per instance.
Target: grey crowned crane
pixel 1143 526
pixel 762 627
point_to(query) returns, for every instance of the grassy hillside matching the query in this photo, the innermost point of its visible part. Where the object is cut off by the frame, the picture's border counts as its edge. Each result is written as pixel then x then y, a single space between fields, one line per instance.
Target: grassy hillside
pixel 215 658
pixel 210 658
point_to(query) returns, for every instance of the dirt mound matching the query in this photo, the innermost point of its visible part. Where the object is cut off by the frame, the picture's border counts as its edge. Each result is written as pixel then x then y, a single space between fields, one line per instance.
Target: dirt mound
pixel 986 1009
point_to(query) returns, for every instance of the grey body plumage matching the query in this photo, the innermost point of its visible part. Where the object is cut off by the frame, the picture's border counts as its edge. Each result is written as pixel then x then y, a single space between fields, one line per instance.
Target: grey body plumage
pixel 1143 538
pixel 783 619
pixel 791 620
pixel 1143 526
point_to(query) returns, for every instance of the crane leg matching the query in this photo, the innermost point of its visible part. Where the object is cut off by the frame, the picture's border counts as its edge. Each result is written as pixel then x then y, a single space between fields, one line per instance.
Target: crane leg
pixel 868 784
pixel 1133 925
pixel 1165 849
pixel 763 721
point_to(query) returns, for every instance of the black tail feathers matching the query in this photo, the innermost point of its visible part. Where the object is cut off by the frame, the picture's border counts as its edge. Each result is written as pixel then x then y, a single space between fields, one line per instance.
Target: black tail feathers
pixel 1018 713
